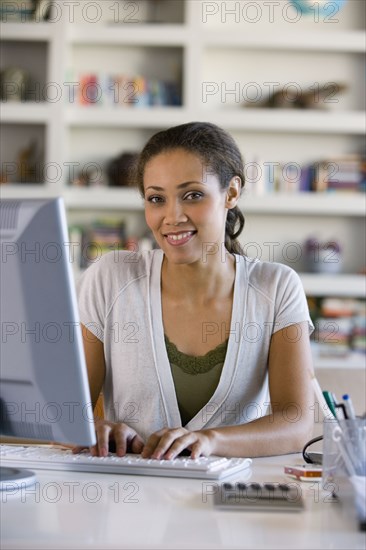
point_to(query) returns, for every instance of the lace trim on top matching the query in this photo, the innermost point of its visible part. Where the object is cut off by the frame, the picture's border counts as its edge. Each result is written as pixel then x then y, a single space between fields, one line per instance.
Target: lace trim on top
pixel 196 365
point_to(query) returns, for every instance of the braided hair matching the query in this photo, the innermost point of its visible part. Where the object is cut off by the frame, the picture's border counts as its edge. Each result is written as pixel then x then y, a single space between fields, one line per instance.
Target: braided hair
pixel 220 155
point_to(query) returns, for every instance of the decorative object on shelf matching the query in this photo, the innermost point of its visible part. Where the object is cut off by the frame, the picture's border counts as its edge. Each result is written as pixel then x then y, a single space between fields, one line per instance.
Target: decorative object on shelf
pixel 359 332
pixel 120 169
pixel 293 97
pixel 147 12
pixel 362 184
pixel 340 325
pixel 90 242
pixel 90 176
pixel 25 10
pixel 322 7
pixel 338 173
pixel 29 162
pixel 101 236
pixel 323 257
pixel 14 83
pixel 343 173
pixel 42 10
pixel 17 10
pixel 126 91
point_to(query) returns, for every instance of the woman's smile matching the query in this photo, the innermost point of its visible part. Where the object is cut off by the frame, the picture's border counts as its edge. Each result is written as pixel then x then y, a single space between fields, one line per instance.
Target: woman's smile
pixel 179 238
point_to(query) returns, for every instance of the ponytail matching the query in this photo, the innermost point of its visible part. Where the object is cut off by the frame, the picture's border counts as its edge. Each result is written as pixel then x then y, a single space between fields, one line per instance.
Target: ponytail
pixel 234 226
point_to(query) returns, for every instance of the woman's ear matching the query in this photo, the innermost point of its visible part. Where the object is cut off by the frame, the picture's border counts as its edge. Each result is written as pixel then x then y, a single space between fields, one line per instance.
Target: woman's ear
pixel 233 192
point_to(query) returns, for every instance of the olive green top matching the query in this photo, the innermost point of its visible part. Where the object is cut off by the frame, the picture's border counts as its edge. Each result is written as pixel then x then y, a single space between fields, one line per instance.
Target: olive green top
pixel 195 378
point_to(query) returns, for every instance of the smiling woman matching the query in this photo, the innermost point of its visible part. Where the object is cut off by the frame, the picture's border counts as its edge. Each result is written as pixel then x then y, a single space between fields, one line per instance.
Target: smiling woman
pixel 187 211
pixel 219 358
pixel 208 154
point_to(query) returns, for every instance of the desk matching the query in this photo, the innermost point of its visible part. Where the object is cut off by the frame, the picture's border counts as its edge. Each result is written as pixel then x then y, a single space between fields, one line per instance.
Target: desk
pixel 79 510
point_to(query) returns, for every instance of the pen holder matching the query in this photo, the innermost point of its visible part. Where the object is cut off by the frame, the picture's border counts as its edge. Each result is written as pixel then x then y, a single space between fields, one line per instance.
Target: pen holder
pixel 344 463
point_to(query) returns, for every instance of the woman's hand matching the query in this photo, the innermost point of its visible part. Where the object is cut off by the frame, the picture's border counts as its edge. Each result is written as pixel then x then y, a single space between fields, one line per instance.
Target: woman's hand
pixel 126 439
pixel 169 443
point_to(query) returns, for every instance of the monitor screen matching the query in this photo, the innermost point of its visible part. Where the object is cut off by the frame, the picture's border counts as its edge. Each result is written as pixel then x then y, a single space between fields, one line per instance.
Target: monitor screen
pixel 44 391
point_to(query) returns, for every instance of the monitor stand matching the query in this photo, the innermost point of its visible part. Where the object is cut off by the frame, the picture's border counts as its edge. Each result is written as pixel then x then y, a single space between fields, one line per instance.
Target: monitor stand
pixel 12 479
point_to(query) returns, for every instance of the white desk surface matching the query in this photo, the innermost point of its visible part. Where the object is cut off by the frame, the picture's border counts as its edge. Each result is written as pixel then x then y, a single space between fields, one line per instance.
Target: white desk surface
pixel 100 511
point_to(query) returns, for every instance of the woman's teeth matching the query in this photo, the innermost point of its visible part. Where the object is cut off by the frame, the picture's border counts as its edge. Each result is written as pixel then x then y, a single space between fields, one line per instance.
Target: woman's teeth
pixel 180 236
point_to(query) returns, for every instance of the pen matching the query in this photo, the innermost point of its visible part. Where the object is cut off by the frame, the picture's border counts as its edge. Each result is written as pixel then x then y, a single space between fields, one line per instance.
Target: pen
pixel 322 402
pixel 352 434
pixel 348 405
pixel 330 402
pixel 340 411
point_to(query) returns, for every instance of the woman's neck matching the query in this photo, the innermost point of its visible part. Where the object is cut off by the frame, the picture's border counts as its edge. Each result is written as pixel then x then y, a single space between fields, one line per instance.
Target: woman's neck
pixel 199 282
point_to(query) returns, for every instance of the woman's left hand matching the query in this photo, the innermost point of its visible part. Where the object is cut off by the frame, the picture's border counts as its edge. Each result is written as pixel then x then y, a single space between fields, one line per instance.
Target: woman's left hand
pixel 169 443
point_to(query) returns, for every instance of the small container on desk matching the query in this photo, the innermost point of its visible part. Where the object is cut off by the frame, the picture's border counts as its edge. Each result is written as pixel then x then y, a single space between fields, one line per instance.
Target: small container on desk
pixel 344 463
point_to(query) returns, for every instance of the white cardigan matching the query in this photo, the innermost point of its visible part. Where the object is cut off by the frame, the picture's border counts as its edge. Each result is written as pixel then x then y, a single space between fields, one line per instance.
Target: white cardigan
pixel 120 303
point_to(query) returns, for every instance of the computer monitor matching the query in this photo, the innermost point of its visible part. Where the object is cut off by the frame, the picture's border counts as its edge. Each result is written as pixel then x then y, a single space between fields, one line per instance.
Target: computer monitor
pixel 44 391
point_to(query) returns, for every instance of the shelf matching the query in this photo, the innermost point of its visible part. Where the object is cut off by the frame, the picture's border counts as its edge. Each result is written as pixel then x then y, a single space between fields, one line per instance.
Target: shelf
pixel 173 35
pixel 307 204
pixel 346 41
pixel 119 35
pixel 343 285
pixel 37 32
pixel 112 198
pixel 288 120
pixel 103 199
pixel 106 198
pixel 28 191
pixel 25 113
pixel 351 361
pixel 260 120
pixel 118 117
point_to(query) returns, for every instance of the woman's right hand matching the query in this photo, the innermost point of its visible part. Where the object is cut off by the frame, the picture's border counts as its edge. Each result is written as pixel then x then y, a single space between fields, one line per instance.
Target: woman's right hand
pixel 125 438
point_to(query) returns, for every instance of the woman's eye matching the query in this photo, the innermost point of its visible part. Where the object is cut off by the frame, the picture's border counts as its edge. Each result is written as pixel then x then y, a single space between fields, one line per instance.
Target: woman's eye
pixel 154 199
pixel 193 195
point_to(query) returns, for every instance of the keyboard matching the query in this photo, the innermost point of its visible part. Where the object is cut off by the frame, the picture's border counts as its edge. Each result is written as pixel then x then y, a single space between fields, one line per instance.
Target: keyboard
pixel 56 458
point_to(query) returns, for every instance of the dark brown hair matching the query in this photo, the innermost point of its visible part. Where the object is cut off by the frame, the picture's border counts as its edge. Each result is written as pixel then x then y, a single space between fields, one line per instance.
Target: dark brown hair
pixel 220 155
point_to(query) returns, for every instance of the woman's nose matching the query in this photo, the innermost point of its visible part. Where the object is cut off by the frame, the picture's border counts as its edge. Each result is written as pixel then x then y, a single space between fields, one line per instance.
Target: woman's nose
pixel 174 213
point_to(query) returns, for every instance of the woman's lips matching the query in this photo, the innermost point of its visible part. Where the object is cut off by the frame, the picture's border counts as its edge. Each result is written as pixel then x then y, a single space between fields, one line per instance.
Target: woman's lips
pixel 178 239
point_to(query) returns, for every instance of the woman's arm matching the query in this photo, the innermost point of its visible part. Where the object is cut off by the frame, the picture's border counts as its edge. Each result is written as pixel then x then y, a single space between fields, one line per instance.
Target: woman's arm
pixel 126 438
pixel 94 356
pixel 284 431
pixel 290 425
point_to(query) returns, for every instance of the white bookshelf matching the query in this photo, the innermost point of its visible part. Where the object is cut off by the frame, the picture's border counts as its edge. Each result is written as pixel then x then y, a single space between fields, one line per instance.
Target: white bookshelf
pixel 201 52
pixel 349 362
pixel 28 31
pixel 350 205
pixel 264 120
pixel 344 285
pixel 147 35
pixel 341 41
pixel 26 113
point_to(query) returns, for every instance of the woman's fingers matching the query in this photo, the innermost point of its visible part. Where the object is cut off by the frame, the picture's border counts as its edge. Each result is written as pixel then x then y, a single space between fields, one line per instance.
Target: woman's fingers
pixel 137 444
pixel 124 437
pixel 103 430
pixel 77 450
pixel 127 440
pixel 167 443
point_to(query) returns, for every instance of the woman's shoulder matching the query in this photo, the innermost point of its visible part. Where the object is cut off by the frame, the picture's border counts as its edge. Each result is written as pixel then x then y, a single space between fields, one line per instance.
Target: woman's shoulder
pixel 120 266
pixel 269 277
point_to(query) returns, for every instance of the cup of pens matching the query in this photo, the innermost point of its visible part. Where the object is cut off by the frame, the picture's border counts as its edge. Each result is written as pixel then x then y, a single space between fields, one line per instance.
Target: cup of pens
pixel 344 463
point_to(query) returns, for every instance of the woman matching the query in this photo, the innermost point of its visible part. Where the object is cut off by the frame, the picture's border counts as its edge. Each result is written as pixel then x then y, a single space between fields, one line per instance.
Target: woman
pixel 197 347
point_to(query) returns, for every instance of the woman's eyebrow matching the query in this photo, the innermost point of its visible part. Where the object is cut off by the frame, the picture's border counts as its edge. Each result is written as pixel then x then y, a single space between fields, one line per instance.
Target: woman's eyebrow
pixel 180 186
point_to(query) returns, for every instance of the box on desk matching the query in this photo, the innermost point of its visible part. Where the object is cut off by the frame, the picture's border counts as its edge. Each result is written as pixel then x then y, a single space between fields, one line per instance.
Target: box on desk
pixel 344 464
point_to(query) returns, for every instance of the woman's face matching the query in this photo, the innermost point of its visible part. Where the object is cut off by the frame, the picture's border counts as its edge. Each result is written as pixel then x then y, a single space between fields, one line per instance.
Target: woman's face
pixel 184 206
